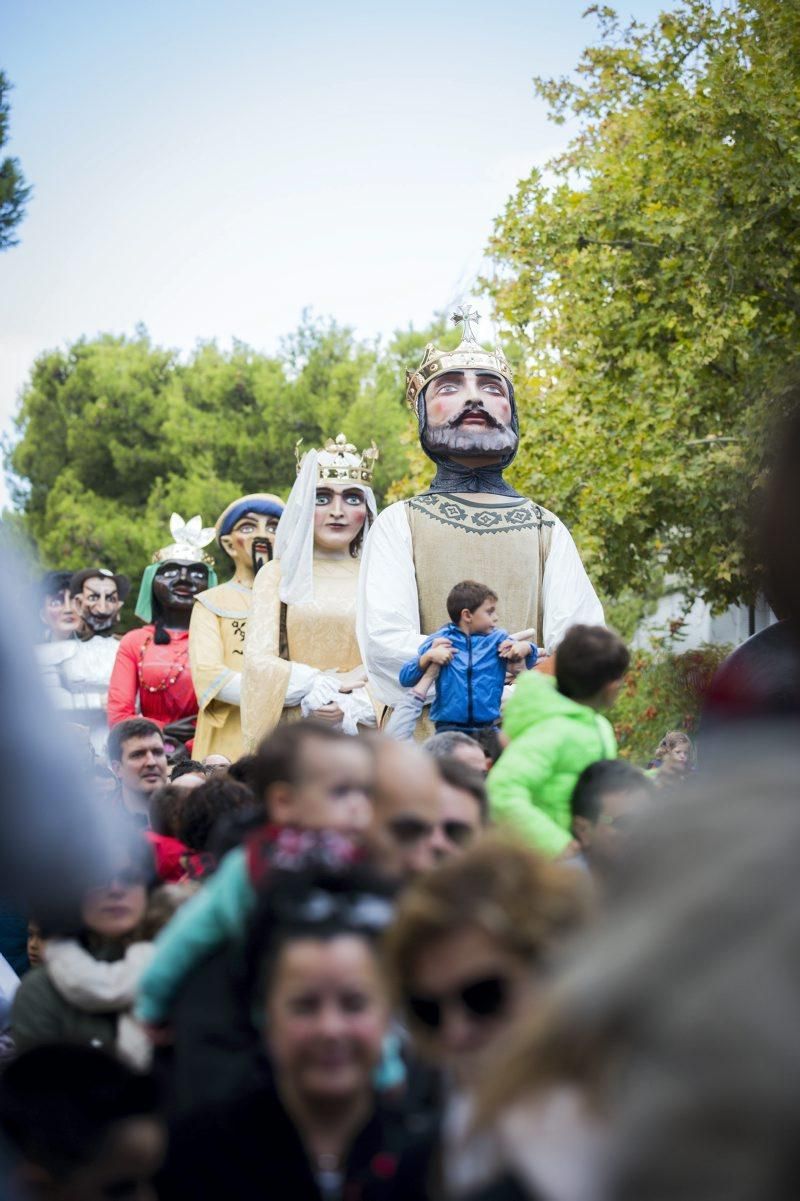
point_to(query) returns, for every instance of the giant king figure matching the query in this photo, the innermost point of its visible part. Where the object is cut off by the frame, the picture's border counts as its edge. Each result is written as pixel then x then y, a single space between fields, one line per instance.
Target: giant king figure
pixel 469 524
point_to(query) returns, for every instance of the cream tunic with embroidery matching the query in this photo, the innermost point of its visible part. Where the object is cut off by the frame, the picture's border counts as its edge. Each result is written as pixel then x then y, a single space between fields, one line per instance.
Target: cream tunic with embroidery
pixel 499 541
pixel 417 550
pixel 216 657
pixel 321 636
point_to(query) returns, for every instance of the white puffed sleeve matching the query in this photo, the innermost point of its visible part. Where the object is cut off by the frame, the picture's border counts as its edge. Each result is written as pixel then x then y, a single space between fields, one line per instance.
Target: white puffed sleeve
pixel 387 618
pixel 568 597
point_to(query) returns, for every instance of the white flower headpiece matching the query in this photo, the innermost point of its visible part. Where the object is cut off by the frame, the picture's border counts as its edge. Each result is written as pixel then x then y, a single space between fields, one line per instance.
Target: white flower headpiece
pixel 189 540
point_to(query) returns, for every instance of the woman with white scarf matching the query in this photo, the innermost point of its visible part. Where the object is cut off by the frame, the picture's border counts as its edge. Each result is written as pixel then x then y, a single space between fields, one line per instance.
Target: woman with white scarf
pixel 301 656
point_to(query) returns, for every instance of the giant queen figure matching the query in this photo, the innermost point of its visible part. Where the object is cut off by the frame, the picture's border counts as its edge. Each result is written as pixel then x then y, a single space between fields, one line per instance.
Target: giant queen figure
pixel 469 524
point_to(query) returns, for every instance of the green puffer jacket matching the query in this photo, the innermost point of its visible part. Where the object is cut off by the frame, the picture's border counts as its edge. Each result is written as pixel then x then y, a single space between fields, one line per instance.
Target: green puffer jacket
pixel 552 739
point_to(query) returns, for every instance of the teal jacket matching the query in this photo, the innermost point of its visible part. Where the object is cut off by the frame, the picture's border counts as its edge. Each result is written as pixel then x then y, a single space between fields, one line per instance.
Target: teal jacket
pixel 215 915
pixel 210 919
pixel 552 739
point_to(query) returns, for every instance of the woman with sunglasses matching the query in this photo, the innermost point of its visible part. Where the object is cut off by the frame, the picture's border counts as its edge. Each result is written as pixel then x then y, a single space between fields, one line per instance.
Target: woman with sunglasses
pixel 318 1131
pixel 67 999
pixel 467 953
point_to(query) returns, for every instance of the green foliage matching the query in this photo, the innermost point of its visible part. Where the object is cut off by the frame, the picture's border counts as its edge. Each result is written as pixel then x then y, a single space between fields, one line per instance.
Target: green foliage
pixel 625 611
pixel 662 692
pixel 651 280
pixel 114 434
pixel 14 192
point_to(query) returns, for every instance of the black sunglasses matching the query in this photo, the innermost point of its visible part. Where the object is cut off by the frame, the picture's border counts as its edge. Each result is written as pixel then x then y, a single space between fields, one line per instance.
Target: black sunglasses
pixel 481 999
pixel 458 832
pixel 409 830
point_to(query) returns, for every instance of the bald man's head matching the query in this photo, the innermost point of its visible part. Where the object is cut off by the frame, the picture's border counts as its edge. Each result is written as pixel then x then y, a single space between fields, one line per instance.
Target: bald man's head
pixel 405 836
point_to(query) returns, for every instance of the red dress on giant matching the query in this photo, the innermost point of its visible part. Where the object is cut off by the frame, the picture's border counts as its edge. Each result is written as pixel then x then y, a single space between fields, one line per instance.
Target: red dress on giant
pixel 158 676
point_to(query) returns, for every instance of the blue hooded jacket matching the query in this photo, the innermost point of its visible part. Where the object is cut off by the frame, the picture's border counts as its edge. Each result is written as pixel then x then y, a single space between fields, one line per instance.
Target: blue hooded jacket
pixel 470 687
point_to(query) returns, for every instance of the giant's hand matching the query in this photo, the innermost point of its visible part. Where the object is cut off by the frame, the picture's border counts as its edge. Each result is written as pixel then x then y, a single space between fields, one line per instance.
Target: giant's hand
pixel 331 714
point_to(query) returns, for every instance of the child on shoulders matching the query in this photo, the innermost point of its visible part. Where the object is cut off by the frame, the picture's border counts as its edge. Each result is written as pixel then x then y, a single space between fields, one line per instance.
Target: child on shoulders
pixel 556 728
pixel 470 656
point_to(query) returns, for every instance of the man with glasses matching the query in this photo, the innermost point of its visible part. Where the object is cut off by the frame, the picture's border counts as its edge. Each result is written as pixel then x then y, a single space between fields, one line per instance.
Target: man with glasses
pixel 422 813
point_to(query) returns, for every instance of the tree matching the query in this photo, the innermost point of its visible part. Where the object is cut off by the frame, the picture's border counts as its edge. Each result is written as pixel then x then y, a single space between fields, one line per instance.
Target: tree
pixel 14 192
pixel 651 280
pixel 114 433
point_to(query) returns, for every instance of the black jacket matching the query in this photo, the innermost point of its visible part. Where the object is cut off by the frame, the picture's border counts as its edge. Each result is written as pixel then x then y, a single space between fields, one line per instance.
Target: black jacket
pixel 251 1150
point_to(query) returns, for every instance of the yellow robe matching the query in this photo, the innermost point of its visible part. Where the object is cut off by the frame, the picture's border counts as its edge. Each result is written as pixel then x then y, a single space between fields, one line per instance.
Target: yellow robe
pixel 321 634
pixel 216 651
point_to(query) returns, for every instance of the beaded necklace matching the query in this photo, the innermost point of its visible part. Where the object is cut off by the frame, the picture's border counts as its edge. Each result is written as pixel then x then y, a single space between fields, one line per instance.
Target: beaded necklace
pixel 169 678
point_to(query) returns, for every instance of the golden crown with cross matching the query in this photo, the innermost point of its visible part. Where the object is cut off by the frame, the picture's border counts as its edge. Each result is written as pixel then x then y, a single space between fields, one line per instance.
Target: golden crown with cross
pixel 468 354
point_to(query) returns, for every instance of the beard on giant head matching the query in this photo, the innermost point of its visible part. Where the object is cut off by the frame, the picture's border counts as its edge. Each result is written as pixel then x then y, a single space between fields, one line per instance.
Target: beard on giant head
pixel 261 551
pixel 462 436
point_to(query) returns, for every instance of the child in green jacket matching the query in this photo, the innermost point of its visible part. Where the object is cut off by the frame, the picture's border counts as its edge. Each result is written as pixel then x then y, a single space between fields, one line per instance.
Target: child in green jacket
pixel 555 729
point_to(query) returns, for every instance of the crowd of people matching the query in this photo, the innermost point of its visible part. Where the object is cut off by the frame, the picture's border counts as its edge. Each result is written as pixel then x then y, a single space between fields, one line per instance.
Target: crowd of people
pixel 381 915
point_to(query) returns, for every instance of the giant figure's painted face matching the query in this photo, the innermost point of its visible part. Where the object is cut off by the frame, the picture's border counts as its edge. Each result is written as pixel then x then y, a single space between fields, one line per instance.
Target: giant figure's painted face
pixel 59 615
pixel 175 585
pixel 98 603
pixel 339 516
pixel 469 413
pixel 251 540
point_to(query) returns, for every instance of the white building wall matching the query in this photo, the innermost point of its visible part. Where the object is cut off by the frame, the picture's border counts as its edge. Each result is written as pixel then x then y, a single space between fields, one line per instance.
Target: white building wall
pixel 700 627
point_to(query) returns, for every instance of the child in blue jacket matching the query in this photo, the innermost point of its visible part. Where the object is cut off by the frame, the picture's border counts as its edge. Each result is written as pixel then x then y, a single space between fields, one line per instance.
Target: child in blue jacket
pixel 470 657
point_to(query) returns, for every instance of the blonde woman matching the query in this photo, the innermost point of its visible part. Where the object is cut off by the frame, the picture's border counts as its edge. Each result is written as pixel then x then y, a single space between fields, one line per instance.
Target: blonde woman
pixel 672 762
pixel 468 953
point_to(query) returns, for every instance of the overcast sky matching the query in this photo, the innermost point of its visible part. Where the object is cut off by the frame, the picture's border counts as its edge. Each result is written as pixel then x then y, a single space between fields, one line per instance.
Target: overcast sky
pixel 211 170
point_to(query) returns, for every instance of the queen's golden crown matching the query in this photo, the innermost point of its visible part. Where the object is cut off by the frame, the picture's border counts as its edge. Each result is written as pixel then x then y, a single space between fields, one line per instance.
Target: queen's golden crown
pixel 341 461
pixel 469 353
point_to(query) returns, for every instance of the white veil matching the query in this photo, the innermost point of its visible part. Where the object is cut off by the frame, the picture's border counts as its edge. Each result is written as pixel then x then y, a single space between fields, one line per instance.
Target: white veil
pixel 294 539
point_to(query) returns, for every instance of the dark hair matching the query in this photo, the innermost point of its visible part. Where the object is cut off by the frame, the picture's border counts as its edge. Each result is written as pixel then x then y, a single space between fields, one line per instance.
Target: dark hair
pixel 488 739
pixel 165 809
pixel 243 771
pixel 358 541
pixel 588 658
pixel 317 903
pixel 188 767
pixel 59 1102
pixel 600 778
pixel 234 828
pixel 160 632
pixel 53 583
pixel 279 758
pixel 123 731
pixel 130 850
pixel 204 806
pixel 78 580
pixel 467 595
pixel 460 775
pixel 442 745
